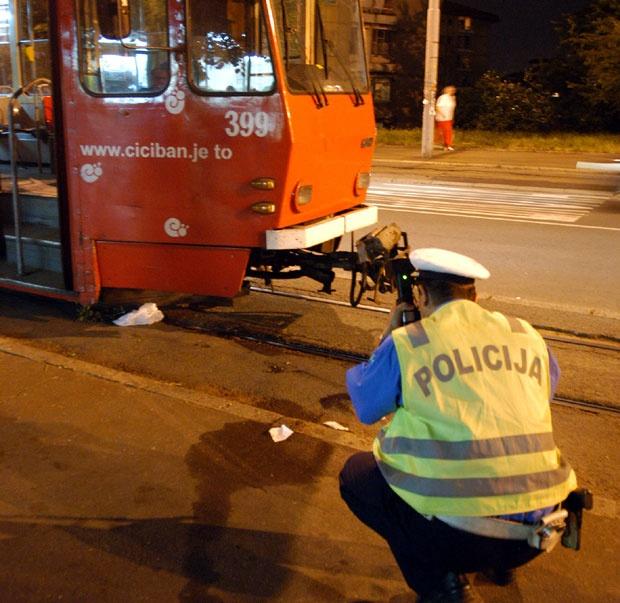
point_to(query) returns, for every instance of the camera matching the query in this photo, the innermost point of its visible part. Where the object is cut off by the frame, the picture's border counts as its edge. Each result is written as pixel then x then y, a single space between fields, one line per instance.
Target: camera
pixel 404 280
pixel 385 262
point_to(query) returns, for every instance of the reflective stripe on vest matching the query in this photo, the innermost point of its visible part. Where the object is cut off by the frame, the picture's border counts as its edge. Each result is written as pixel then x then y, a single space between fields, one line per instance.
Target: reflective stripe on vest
pixel 467 449
pixel 471 487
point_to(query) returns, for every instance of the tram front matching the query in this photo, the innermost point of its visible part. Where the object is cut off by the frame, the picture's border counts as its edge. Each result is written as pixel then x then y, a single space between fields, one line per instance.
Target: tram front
pixel 269 100
pixel 330 127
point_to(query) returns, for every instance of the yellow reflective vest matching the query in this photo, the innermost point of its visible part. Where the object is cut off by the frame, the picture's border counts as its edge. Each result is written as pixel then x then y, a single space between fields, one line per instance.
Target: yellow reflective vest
pixel 473 435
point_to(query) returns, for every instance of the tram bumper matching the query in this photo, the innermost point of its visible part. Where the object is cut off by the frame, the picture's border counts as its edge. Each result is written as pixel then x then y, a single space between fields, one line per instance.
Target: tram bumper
pixel 308 234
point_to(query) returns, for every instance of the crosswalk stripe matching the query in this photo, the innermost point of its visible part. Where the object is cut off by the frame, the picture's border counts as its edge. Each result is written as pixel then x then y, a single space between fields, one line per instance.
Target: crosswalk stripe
pixel 552 205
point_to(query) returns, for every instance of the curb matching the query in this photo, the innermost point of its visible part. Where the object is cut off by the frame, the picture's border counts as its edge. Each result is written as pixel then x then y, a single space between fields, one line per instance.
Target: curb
pixel 386 162
pixel 14 347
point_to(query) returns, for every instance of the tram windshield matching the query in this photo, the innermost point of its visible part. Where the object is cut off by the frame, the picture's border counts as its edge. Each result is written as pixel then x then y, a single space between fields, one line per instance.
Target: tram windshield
pixel 228 47
pixel 322 46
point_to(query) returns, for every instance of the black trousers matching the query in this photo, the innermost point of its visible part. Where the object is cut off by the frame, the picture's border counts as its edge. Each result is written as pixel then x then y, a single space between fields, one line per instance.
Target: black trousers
pixel 424 550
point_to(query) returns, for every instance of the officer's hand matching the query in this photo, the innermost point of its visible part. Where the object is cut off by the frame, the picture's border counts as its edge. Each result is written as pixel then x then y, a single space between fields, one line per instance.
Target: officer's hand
pixel 396 317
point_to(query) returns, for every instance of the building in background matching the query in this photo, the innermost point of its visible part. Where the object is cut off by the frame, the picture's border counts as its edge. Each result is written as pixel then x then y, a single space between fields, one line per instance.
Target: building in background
pixel 464 44
pixel 380 19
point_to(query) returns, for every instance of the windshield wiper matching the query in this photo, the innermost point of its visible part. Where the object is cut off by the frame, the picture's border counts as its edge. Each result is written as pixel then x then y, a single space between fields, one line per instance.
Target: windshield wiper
pixel 316 83
pixel 319 15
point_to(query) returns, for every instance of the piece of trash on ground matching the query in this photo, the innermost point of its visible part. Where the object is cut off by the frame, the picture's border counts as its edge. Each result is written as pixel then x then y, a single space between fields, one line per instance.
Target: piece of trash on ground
pixel 279 434
pixel 146 314
pixel 335 425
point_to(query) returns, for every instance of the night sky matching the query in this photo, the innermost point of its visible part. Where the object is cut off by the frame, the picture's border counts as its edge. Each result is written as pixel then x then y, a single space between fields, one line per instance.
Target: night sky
pixel 525 31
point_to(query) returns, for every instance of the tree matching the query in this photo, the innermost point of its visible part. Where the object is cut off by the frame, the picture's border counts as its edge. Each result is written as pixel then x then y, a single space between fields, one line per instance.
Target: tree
pixel 578 89
pixel 598 49
pixel 407 51
pixel 505 105
pixel 589 51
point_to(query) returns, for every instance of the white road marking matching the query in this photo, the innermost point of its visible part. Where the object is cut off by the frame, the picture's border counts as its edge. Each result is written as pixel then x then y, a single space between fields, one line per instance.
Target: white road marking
pixel 498 202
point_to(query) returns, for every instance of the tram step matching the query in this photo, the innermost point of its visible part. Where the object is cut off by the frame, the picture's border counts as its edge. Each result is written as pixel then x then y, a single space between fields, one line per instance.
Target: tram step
pixel 40 244
pixel 34 209
pixel 26 149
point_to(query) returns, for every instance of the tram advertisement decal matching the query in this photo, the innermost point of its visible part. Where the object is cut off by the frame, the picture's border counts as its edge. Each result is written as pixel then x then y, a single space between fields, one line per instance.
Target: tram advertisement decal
pixel 242 124
pixel 91 172
pixel 155 150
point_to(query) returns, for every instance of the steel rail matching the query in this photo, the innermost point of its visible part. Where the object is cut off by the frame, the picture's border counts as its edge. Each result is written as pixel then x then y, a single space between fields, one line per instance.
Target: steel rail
pixel 573 340
pixel 587 344
pixel 586 405
pixel 354 357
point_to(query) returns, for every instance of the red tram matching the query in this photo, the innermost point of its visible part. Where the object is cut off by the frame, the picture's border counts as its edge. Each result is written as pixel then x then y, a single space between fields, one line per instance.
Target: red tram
pixel 179 145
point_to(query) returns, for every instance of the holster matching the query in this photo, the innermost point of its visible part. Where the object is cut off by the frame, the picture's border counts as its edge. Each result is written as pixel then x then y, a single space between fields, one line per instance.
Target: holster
pixel 575 503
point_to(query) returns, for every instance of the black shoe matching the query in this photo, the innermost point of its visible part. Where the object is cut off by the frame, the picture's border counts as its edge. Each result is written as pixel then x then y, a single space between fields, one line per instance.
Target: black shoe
pixel 453 588
pixel 499 576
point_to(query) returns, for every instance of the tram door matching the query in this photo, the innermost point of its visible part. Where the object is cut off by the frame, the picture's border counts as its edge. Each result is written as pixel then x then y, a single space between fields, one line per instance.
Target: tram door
pixel 31 226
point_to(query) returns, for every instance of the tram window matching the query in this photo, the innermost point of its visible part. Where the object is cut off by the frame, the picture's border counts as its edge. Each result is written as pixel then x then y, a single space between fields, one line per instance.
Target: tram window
pixel 228 47
pixel 34 48
pixel 114 18
pixel 6 77
pixel 127 66
pixel 322 46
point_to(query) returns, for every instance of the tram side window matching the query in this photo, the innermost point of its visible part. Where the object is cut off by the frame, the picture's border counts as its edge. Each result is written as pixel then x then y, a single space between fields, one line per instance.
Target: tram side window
pixel 122 47
pixel 228 47
pixel 34 47
pixel 6 77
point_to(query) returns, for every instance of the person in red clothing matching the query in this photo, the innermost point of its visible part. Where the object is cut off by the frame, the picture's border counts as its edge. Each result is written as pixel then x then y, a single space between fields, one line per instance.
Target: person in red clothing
pixel 444 116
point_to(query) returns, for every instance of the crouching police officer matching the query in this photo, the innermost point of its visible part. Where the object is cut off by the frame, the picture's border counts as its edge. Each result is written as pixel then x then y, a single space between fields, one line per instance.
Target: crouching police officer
pixel 466 476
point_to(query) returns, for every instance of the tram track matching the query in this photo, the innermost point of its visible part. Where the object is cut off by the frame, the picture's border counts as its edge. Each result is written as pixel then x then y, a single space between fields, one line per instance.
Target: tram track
pixel 278 341
pixel 564 336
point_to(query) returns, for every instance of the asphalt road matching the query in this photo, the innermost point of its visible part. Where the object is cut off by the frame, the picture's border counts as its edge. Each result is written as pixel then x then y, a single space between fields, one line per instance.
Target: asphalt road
pixel 552 247
pixel 136 466
pixel 135 462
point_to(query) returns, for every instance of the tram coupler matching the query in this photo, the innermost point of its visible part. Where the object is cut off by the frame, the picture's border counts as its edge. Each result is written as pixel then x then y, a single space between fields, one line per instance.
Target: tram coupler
pixel 379 263
pixel 382 260
pixel 575 503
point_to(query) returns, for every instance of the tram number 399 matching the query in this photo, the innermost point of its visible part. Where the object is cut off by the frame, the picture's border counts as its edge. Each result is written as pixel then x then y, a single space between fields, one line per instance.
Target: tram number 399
pixel 247 124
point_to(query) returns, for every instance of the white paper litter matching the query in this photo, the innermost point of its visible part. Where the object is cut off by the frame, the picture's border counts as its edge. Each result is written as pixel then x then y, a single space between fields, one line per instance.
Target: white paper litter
pixel 146 314
pixel 335 425
pixel 279 434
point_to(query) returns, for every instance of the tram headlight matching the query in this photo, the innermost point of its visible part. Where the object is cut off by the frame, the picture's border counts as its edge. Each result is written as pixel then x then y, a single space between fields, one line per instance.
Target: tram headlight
pixel 362 182
pixel 302 195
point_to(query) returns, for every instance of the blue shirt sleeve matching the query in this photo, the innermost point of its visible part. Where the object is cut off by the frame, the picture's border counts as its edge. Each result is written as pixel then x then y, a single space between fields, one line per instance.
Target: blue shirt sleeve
pixel 374 386
pixel 554 373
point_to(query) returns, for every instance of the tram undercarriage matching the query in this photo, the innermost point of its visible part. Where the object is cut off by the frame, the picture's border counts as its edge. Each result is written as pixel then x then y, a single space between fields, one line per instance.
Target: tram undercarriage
pixel 372 264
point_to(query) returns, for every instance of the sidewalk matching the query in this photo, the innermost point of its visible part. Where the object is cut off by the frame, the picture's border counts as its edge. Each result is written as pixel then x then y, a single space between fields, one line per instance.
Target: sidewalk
pixel 500 165
pixel 119 487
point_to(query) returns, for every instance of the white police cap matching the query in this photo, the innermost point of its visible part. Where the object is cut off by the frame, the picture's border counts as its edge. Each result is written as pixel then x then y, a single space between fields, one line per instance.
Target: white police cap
pixel 444 264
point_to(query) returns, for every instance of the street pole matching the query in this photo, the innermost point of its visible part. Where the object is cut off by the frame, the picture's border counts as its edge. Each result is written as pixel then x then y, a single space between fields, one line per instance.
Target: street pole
pixel 433 17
